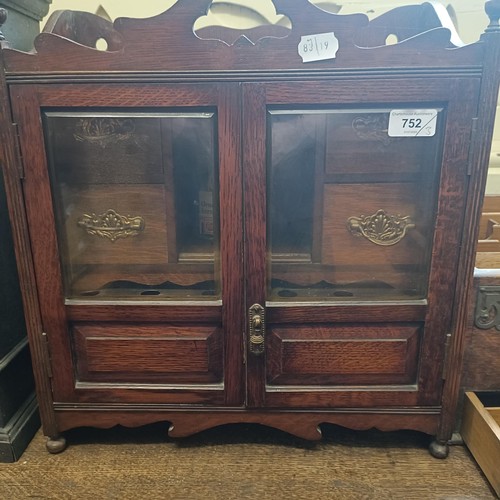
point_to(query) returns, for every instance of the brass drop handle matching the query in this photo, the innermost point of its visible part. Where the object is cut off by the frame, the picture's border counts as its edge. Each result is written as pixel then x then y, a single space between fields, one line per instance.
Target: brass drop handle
pixel 257 329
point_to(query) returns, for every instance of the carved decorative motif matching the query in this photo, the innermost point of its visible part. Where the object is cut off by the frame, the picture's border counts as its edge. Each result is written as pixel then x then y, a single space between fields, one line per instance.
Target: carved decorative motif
pixel 380 228
pixel 487 308
pixel 372 128
pixel 111 225
pixel 103 131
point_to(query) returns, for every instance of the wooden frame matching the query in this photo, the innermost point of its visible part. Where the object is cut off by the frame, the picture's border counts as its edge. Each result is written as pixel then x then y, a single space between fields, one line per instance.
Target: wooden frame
pixel 241 73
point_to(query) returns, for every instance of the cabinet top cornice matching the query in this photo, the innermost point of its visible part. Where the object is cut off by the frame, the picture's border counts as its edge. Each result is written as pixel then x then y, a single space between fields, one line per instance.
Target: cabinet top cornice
pixel 426 39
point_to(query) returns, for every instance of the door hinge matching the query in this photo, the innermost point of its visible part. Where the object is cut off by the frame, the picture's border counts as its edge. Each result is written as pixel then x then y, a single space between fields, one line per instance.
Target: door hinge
pixel 446 355
pixel 19 153
pixel 472 147
pixel 47 361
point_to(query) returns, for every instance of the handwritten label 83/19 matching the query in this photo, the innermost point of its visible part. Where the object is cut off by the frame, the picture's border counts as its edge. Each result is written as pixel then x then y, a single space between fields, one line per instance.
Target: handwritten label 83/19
pixel 318 47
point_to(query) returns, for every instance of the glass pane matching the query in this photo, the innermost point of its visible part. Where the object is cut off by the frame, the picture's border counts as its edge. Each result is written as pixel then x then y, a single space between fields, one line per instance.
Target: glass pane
pixel 135 200
pixel 351 210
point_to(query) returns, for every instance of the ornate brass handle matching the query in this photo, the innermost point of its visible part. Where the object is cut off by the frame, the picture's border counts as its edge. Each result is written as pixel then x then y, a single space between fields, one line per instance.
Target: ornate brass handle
pixel 380 228
pixel 111 225
pixel 257 329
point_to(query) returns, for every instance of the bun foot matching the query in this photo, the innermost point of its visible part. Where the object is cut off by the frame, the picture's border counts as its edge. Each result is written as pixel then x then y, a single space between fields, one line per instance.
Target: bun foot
pixel 56 444
pixel 439 449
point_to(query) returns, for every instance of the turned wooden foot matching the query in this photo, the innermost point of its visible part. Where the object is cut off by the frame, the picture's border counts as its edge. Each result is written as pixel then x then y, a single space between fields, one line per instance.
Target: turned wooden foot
pixel 439 449
pixel 56 444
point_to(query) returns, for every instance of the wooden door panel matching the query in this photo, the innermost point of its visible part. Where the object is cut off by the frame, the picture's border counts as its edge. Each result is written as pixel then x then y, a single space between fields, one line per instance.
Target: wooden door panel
pixel 330 301
pixel 182 344
pixel 347 355
pixel 147 353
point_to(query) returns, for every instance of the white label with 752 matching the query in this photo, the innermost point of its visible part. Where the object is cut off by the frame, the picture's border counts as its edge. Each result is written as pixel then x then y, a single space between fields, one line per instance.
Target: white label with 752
pixel 413 122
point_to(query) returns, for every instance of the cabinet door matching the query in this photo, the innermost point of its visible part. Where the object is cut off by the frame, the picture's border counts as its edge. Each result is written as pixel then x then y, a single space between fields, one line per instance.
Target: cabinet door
pixel 133 197
pixel 353 212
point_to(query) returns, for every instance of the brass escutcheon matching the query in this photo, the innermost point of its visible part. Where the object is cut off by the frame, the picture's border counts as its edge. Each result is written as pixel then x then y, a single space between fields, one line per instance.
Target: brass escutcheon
pixel 257 329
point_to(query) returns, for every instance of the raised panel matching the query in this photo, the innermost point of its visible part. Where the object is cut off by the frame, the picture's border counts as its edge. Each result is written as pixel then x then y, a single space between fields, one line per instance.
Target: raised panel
pixel 343 355
pixel 147 353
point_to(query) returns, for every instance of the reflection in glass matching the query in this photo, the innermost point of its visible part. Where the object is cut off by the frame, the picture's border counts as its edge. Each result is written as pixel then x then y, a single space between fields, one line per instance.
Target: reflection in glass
pixel 351 210
pixel 135 200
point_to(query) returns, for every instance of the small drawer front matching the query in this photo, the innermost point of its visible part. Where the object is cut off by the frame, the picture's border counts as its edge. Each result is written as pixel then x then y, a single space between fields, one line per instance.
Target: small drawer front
pixel 129 146
pixel 147 353
pixel 116 224
pixel 358 143
pixel 345 213
pixel 343 355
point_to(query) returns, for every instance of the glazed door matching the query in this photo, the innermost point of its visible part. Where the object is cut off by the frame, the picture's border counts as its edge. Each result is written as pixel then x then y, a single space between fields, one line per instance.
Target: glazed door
pixel 350 280
pixel 133 196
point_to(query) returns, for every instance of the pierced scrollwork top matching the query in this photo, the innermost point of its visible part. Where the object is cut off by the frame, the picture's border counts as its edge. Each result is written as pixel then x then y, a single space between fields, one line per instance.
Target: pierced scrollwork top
pixel 169 41
pixel 380 228
pixel 111 225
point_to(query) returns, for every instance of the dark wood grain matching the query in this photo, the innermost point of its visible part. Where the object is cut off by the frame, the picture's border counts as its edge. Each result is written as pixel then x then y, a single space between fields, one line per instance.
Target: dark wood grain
pixel 344 312
pixel 448 233
pixel 406 22
pixel 84 28
pixel 378 362
pixel 301 424
pixel 342 355
pixel 231 242
pixel 479 156
pixel 116 311
pixel 12 171
pixel 147 353
pixel 446 221
pixel 255 209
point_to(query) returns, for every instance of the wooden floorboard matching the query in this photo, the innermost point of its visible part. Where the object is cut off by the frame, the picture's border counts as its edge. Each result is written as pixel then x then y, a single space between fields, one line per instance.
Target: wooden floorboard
pixel 240 462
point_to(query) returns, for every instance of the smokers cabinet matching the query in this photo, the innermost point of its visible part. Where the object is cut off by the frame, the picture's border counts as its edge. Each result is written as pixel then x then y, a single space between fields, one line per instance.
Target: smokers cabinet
pixel 272 226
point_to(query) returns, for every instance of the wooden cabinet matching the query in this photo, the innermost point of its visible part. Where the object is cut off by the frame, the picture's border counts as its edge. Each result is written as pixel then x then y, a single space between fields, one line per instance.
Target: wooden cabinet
pixel 216 231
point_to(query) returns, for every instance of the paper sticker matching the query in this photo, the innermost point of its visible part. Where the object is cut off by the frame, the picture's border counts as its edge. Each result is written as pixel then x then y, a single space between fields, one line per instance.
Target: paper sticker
pixel 318 47
pixel 413 122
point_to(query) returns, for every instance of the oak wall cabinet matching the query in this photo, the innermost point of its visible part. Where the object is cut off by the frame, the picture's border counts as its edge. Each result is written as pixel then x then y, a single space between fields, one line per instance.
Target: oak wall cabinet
pixel 270 226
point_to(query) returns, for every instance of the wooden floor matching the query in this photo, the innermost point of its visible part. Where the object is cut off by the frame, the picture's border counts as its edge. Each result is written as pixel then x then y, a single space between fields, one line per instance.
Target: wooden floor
pixel 239 462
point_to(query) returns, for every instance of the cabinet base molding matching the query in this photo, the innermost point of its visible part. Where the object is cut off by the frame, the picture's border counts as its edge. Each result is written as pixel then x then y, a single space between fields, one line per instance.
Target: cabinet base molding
pixel 305 425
